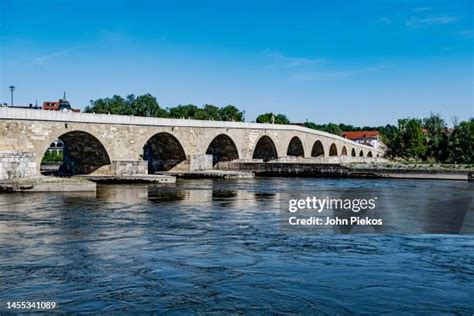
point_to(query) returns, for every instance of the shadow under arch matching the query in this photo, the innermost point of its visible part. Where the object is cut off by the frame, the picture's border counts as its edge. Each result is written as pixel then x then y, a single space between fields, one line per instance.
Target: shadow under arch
pixel 369 154
pixel 265 149
pixel 344 151
pixel 295 147
pixel 318 149
pixel 353 152
pixel 361 154
pixel 82 153
pixel 222 148
pixel 163 151
pixel 333 150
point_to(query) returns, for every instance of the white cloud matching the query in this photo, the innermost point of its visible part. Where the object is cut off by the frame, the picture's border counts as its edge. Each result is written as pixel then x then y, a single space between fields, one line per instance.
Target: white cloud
pixel 422 9
pixel 303 69
pixel 334 74
pixel 41 60
pixel 415 21
pixel 466 33
pixel 281 61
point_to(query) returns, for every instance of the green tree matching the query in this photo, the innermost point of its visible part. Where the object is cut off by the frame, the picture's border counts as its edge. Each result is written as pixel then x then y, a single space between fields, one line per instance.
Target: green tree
pixel 347 128
pixel 52 157
pixel 435 124
pixel 212 112
pixel 183 111
pixel 112 105
pixel 264 118
pixel 390 136
pixel 411 138
pixel 146 105
pixel 201 114
pixel 231 113
pixel 334 129
pixel 437 140
pixel 267 118
pixel 461 143
pixel 281 119
pixel 311 125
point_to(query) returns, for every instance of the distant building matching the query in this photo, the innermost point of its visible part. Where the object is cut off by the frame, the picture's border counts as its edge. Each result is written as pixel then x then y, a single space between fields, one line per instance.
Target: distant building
pixel 56 147
pixel 30 106
pixel 60 105
pixel 369 138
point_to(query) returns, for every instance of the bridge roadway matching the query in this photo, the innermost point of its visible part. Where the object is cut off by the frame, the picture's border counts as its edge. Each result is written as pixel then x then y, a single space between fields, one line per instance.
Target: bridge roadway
pixel 116 144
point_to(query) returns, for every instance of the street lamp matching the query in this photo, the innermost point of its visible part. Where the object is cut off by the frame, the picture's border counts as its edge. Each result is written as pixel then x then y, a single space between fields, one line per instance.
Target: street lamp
pixel 12 88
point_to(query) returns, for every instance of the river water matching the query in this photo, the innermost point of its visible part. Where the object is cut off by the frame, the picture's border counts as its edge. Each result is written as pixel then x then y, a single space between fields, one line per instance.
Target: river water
pixel 205 246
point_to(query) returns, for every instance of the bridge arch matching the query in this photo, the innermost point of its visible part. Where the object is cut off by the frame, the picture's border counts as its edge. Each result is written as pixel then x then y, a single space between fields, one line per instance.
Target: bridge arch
pixel 361 153
pixel 344 151
pixel 370 154
pixel 265 149
pixel 222 148
pixel 82 153
pixel 295 147
pixel 333 150
pixel 318 149
pixel 353 152
pixel 163 152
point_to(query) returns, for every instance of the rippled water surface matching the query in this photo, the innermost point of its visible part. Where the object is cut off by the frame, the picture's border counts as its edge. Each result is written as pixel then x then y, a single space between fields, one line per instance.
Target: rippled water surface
pixel 217 246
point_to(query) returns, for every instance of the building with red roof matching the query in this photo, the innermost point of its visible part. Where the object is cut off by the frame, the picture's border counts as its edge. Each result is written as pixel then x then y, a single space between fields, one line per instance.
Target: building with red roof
pixel 60 105
pixel 369 138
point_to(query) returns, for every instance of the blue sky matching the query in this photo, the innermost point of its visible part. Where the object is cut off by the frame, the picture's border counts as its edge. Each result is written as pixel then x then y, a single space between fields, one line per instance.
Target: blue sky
pixel 358 62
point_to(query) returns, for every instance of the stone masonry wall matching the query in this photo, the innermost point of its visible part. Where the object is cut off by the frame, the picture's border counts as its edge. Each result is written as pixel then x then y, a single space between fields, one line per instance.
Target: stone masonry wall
pixel 17 165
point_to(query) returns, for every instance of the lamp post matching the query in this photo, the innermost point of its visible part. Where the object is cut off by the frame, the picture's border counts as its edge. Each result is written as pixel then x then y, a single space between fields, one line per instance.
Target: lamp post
pixel 12 88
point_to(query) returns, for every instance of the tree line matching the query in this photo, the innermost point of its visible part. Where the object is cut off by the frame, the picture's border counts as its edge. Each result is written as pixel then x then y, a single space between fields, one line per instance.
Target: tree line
pixel 147 105
pixel 430 139
pixel 426 139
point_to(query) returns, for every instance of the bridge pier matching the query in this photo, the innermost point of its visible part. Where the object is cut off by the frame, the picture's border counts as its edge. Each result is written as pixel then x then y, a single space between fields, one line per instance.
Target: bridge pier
pixel 128 167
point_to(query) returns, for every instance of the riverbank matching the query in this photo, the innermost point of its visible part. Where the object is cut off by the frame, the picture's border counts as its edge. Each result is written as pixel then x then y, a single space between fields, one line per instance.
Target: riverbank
pixel 247 170
pixel 354 170
pixel 209 174
pixel 47 184
pixel 412 171
pixel 128 179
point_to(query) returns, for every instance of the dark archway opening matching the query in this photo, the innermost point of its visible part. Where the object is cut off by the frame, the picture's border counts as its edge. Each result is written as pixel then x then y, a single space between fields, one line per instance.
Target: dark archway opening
pixel 361 154
pixel 353 153
pixel 295 148
pixel 318 149
pixel 74 153
pixel 369 154
pixel 333 150
pixel 163 152
pixel 265 149
pixel 344 151
pixel 222 148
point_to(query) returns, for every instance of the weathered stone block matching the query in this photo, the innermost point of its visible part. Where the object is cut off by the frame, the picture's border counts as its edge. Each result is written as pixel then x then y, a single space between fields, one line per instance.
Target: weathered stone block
pixel 16 165
pixel 200 162
pixel 129 167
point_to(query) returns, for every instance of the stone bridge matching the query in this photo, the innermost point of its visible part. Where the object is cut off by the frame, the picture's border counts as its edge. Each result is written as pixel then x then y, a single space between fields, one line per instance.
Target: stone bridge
pixel 115 144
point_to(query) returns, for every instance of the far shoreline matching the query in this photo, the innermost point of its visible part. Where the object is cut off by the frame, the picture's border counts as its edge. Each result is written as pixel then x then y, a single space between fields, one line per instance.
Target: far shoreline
pixel 374 171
